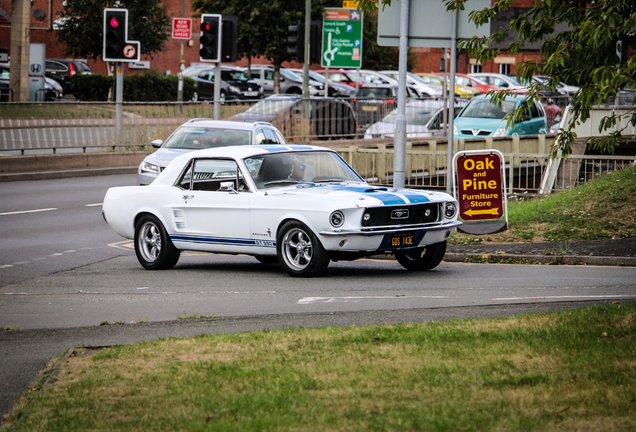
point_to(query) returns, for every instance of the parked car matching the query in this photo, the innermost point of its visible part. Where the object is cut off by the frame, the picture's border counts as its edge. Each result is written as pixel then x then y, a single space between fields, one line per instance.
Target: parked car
pixel 61 70
pixel 424 118
pixel 52 89
pixel 373 103
pixel 482 118
pixel 460 90
pixel 197 134
pixel 235 85
pixel 472 82
pixel 504 82
pixel 335 89
pixel 329 117
pixel 343 76
pixel 562 87
pixel 299 206
pixel 290 83
pixel 426 90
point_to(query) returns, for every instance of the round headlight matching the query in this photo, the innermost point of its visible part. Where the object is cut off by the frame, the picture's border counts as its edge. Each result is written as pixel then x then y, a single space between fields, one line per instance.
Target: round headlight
pixel 337 218
pixel 450 210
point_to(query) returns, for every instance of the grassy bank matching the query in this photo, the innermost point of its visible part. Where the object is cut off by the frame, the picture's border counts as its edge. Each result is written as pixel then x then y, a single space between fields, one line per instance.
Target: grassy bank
pixel 573 370
pixel 603 208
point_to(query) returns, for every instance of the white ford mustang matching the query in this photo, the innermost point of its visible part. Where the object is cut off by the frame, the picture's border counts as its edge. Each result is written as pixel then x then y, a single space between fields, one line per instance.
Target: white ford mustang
pixel 300 206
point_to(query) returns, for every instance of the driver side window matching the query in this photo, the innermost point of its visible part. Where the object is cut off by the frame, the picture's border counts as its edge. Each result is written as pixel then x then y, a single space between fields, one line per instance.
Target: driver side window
pixel 213 175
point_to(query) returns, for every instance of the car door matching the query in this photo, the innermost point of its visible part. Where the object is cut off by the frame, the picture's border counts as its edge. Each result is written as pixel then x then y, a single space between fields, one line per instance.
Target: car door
pixel 212 213
pixel 205 85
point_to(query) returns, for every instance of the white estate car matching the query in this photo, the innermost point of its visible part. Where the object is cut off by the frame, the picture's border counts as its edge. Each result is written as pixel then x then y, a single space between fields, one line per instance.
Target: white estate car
pixel 298 205
pixel 201 133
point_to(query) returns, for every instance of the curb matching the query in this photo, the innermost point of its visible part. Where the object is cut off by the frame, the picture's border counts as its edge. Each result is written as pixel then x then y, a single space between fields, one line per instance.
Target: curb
pixel 541 259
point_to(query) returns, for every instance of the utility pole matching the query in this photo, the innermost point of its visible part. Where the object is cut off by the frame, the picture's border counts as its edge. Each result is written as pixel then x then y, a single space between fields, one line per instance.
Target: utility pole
pixel 306 94
pixel 20 44
pixel 181 61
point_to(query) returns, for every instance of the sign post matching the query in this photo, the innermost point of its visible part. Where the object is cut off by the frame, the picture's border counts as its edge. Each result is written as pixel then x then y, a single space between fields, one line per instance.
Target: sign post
pixel 479 185
pixel 181 29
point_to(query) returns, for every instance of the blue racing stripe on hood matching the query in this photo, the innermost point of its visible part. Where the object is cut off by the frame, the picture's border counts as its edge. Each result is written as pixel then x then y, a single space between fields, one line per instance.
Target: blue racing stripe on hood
pixel 382 194
pixel 414 197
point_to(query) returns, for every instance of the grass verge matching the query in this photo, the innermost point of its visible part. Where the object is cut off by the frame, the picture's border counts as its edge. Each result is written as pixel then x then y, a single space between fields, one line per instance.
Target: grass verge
pixel 573 370
pixel 603 208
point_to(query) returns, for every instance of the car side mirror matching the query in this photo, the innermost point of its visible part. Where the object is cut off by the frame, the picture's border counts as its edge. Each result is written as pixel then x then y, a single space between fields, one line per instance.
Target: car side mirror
pixel 227 187
pixel 156 143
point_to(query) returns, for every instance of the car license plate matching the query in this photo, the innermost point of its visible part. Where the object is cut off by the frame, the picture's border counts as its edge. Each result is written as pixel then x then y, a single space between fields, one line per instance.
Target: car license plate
pixel 369 108
pixel 250 93
pixel 402 240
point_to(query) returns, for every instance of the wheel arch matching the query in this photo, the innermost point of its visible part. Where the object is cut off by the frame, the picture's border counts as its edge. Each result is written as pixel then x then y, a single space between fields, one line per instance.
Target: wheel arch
pixel 304 222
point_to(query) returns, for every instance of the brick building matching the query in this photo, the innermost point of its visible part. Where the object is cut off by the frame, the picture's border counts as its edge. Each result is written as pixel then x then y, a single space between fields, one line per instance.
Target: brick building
pixel 44 13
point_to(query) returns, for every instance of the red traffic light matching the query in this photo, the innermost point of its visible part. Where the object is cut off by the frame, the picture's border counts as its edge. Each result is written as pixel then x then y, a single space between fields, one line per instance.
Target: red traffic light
pixel 113 22
pixel 205 26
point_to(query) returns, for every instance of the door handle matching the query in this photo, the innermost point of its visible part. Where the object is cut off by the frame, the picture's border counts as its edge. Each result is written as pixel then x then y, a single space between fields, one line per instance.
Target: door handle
pixel 187 197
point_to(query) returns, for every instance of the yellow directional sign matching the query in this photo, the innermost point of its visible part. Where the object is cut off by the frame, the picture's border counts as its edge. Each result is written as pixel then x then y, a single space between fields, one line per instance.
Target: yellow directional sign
pixel 350 4
pixel 492 211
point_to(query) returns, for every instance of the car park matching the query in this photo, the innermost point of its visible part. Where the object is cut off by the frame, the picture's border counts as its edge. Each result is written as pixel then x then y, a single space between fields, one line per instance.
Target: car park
pixel 235 85
pixel 373 103
pixel 343 76
pixel 472 82
pixel 298 206
pixel 424 118
pixel 289 83
pixel 200 133
pixel 335 89
pixel 61 70
pixel 426 90
pixel 329 117
pixel 483 118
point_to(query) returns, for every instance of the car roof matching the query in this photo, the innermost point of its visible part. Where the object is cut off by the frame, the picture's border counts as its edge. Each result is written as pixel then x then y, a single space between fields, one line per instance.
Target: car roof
pixel 205 122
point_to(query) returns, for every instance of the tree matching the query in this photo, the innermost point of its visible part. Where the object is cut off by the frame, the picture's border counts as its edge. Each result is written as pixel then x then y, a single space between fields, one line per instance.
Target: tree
pixel 585 54
pixel 262 25
pixel 81 26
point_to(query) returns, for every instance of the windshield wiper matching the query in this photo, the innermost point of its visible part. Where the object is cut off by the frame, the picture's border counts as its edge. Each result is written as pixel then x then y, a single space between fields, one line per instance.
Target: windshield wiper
pixel 283 181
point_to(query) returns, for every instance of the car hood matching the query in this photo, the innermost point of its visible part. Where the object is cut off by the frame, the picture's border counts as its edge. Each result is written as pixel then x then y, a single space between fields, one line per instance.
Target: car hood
pixel 357 195
pixel 479 123
pixel 164 156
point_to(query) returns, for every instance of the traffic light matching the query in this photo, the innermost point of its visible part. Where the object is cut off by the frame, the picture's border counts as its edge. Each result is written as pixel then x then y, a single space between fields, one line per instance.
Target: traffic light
pixel 210 49
pixel 228 41
pixel 117 47
pixel 315 41
pixel 296 41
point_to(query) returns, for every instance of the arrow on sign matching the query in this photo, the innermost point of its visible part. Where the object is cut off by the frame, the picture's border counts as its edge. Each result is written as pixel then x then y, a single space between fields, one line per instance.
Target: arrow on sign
pixel 471 212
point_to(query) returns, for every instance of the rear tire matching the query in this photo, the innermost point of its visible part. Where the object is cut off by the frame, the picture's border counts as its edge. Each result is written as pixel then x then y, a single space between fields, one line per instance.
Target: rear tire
pixel 153 246
pixel 422 259
pixel 300 252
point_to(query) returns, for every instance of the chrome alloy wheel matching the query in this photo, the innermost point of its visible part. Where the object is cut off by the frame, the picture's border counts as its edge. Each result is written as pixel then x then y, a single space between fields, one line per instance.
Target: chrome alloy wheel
pixel 149 241
pixel 297 249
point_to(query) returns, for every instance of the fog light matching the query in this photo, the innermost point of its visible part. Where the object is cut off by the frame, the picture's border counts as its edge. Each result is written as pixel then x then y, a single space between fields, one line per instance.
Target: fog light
pixel 337 218
pixel 427 213
pixel 343 243
pixel 366 217
pixel 450 210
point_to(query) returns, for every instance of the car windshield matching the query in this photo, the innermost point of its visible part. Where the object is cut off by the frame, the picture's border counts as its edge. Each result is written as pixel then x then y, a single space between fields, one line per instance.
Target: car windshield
pixel 234 75
pixel 287 74
pixel 415 115
pixel 288 168
pixel 375 92
pixel 194 138
pixel 271 106
pixel 482 108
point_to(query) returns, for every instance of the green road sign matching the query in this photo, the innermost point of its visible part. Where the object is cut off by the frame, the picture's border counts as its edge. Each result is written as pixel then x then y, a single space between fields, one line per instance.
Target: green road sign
pixel 342 38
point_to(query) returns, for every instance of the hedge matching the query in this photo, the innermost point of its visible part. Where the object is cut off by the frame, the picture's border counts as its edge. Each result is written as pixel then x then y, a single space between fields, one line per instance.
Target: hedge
pixel 149 87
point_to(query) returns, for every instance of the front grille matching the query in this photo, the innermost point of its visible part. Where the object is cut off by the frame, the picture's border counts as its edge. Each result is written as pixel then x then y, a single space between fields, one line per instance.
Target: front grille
pixel 481 132
pixel 395 215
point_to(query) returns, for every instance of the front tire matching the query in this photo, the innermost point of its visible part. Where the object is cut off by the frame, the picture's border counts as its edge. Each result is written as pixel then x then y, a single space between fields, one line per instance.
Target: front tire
pixel 422 259
pixel 300 252
pixel 153 246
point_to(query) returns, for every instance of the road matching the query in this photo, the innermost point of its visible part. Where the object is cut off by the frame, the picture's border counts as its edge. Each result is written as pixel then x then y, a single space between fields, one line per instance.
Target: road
pixel 63 272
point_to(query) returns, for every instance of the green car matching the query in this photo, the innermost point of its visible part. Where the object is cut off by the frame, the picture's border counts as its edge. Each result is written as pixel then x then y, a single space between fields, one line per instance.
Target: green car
pixel 481 118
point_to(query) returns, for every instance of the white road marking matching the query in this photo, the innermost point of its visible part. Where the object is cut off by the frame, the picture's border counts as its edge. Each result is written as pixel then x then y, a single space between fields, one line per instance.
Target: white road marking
pixel 356 299
pixel 94 205
pixel 27 211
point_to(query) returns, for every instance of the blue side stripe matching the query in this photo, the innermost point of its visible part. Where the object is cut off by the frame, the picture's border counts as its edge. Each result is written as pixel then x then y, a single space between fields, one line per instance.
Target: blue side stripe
pixel 223 241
